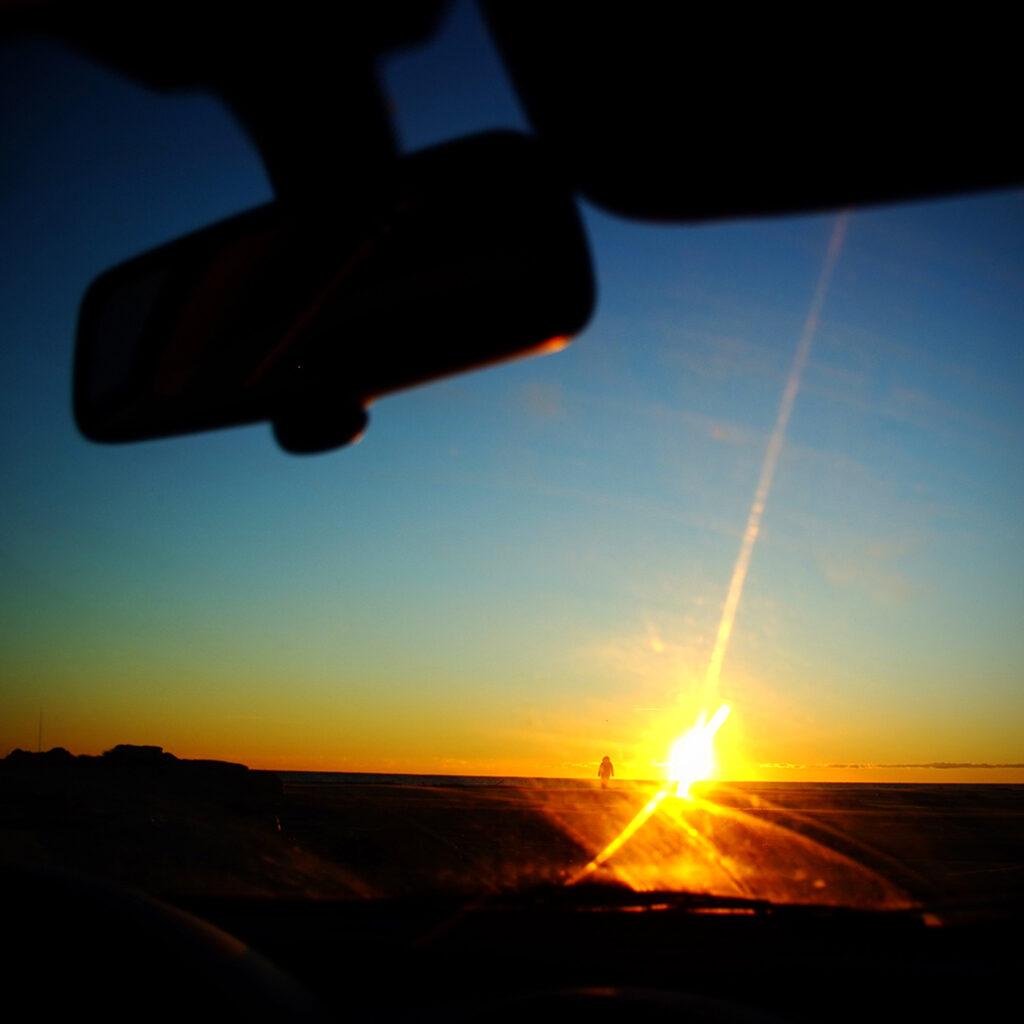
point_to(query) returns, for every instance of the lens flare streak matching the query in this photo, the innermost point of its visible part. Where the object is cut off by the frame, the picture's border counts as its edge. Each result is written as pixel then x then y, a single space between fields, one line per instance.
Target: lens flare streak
pixel 690 759
pixel 690 762
pixel 623 837
pixel 771 458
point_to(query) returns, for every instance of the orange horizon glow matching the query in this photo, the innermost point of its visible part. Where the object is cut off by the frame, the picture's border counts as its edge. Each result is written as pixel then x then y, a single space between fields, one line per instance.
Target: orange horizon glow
pixel 924 773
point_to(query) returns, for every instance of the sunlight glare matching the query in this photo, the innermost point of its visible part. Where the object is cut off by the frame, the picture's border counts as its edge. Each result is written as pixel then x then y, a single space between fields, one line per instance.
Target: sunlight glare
pixel 691 757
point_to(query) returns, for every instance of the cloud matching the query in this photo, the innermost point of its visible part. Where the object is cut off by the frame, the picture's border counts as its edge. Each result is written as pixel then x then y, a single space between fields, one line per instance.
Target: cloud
pixel 725 357
pixel 940 765
pixel 869 359
pixel 868 575
pixel 542 399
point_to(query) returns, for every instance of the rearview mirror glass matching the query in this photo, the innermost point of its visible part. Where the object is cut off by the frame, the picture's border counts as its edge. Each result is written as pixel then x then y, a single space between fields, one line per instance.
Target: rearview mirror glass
pixel 476 256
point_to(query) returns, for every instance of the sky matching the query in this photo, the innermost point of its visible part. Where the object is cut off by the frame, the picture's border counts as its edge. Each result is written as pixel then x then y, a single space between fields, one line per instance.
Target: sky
pixel 520 570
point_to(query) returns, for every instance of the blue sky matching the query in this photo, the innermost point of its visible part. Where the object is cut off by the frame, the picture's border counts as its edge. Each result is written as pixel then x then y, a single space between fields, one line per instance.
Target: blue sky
pixel 513 566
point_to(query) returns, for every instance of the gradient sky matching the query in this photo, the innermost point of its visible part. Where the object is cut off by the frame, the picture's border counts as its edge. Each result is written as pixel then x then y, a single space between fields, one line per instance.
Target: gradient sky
pixel 520 570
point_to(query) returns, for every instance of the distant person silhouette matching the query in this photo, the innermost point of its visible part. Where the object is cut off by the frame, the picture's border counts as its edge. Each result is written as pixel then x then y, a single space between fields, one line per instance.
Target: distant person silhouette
pixel 605 772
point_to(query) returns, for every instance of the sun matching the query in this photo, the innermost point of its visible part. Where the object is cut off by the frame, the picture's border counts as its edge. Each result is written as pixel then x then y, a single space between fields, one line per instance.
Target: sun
pixel 691 757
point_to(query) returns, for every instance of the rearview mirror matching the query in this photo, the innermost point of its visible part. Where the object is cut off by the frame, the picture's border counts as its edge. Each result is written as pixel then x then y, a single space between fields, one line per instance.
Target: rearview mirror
pixel 475 255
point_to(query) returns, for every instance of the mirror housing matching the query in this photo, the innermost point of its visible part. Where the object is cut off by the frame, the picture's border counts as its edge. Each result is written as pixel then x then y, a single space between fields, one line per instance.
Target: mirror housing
pixel 476 255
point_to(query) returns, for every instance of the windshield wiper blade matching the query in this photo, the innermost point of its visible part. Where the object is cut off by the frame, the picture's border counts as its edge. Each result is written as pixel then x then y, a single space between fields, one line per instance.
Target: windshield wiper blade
pixel 602 896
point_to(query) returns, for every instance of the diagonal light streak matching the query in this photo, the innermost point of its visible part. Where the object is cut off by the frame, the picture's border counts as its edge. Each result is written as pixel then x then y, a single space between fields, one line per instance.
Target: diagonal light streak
pixel 771 458
pixel 750 534
pixel 622 838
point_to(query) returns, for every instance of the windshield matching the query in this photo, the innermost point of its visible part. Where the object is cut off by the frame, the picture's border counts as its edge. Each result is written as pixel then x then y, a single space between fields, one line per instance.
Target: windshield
pixel 779 473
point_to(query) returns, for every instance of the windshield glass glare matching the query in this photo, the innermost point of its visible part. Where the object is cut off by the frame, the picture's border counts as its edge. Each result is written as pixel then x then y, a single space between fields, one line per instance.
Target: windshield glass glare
pixel 779 472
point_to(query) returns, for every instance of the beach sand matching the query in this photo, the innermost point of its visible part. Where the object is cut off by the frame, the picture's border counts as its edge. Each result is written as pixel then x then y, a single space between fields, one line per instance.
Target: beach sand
pixel 172 827
pixel 875 846
pixel 289 864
